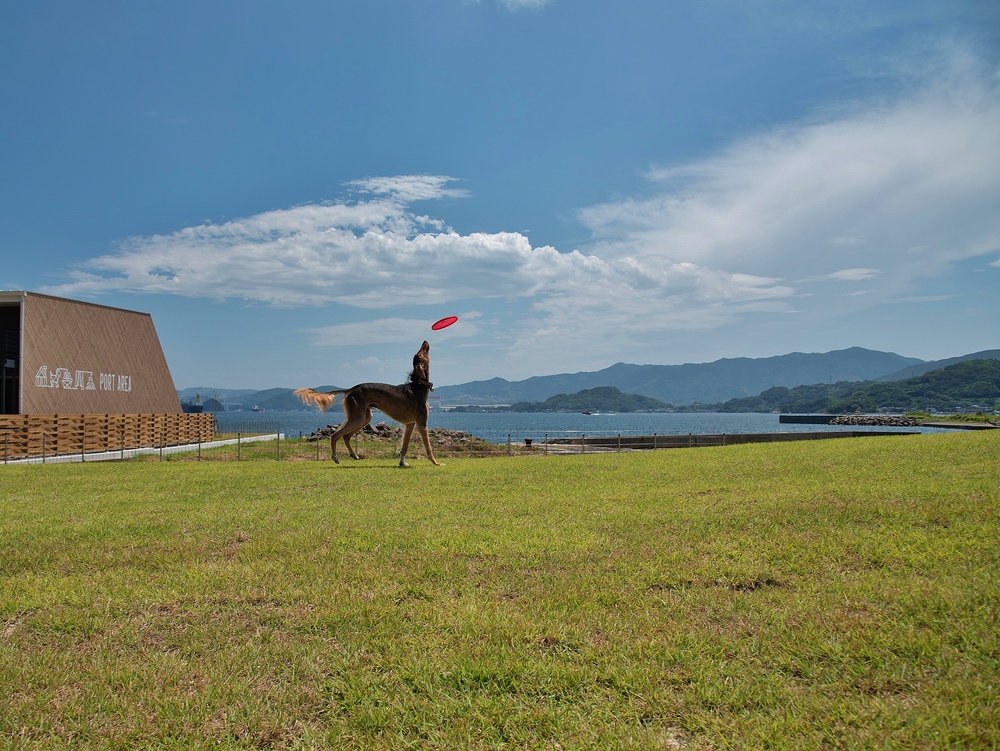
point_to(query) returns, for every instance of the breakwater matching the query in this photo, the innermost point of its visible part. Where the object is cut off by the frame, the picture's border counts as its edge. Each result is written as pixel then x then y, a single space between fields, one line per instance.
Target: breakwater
pixel 877 421
pixel 583 444
pixel 885 421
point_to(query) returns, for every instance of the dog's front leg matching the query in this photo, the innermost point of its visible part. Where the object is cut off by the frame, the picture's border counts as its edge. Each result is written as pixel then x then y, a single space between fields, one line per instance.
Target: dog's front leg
pixel 406 444
pixel 427 445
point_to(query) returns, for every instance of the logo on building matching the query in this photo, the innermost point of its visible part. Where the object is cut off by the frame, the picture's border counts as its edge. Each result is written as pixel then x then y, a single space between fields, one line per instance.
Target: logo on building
pixel 80 380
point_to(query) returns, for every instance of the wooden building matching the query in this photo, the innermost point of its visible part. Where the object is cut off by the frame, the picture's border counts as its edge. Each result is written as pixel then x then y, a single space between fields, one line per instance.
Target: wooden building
pixel 63 356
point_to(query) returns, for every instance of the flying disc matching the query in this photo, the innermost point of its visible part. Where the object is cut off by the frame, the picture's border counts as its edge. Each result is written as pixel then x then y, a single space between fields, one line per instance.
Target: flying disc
pixel 444 323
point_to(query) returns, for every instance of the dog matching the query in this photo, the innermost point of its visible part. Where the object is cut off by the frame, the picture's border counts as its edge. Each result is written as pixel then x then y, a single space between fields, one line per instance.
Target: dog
pixel 406 404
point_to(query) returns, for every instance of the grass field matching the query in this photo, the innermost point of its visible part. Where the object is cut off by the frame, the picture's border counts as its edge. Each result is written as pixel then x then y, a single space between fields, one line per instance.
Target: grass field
pixel 797 595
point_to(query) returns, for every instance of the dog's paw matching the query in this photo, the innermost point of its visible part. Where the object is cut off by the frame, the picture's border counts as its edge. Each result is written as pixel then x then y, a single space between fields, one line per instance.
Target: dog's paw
pixel 403 465
pixel 335 460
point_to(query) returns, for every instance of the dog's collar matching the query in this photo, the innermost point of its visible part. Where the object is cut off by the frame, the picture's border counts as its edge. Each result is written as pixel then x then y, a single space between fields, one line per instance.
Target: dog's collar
pixel 422 382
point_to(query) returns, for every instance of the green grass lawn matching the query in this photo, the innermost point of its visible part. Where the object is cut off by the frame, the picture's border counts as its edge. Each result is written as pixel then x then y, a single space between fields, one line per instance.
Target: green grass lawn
pixel 839 593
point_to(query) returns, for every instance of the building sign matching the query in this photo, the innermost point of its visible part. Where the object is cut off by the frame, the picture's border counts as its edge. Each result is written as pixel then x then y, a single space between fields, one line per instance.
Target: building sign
pixel 81 380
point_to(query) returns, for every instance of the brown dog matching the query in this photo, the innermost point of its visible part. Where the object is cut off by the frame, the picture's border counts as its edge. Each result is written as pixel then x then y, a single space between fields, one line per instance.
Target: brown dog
pixel 406 404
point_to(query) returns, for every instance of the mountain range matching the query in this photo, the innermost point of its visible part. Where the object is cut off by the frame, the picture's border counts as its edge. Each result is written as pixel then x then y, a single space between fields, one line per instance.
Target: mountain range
pixel 691 383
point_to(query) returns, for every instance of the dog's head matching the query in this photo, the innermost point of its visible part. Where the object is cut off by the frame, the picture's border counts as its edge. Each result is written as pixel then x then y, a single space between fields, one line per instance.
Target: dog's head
pixel 421 373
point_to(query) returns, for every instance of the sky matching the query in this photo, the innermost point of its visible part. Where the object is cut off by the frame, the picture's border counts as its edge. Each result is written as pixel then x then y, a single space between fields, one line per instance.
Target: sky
pixel 295 191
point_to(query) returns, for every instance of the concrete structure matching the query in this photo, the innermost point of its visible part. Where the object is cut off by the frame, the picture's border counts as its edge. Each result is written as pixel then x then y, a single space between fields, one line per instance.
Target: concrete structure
pixel 68 357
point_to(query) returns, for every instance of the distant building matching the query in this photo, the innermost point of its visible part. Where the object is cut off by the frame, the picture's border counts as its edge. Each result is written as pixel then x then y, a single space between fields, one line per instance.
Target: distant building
pixel 63 356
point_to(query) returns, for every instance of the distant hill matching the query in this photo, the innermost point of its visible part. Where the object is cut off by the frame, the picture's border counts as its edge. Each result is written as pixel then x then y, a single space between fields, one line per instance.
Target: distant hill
pixel 919 369
pixel 968 384
pixel 800 399
pixel 600 399
pixel 964 385
pixel 206 392
pixel 685 384
pixel 268 399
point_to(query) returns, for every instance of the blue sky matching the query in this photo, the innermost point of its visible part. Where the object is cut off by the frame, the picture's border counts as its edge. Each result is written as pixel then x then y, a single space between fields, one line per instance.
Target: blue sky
pixel 297 190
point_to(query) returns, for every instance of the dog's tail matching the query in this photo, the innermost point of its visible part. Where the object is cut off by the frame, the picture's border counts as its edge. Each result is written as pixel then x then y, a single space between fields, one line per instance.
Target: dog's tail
pixel 322 400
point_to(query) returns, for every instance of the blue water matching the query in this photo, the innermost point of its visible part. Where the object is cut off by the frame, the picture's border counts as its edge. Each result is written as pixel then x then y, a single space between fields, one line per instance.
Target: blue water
pixel 496 426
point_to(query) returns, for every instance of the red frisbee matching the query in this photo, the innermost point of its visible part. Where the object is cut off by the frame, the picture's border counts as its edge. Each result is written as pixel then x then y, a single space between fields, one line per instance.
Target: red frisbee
pixel 444 323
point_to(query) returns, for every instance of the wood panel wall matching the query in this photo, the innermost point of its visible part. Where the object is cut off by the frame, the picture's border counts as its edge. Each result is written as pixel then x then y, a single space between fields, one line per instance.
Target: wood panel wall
pixel 24 436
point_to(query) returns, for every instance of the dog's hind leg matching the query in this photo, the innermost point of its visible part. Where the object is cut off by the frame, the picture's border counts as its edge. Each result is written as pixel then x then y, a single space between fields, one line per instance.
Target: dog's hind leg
pixel 406 444
pixel 367 420
pixel 355 414
pixel 345 431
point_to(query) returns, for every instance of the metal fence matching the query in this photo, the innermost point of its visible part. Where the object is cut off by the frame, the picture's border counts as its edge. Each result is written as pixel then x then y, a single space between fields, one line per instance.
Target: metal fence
pixel 236 441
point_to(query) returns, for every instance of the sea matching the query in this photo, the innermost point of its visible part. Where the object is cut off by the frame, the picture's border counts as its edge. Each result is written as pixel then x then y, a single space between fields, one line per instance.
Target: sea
pixel 499 427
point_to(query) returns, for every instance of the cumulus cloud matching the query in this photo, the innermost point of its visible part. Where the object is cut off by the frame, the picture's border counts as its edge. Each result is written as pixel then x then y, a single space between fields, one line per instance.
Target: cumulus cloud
pixel 377 254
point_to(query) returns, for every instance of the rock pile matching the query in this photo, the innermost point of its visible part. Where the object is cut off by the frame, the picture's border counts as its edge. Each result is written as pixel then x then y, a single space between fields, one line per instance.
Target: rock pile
pixel 380 430
pixel 442 437
pixel 892 421
pixel 450 439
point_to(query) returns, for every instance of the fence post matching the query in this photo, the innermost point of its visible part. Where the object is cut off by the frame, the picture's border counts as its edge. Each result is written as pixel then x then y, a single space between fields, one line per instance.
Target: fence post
pixel 619 442
pixel 317 447
pixel 508 444
pixel 238 445
pixel 162 439
pixel 83 443
pixel 583 443
pixel 123 444
pixel 546 444
pixel 654 441
pixel 278 451
pixel 43 447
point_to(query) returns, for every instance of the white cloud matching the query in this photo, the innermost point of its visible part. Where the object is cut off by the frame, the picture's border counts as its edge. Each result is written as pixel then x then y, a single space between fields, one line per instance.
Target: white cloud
pixel 924 170
pixel 385 331
pixel 850 241
pixel 518 4
pixel 846 275
pixel 407 188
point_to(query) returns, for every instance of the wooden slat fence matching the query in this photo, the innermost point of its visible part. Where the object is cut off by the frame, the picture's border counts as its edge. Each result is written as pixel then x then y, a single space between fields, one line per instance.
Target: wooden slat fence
pixel 23 436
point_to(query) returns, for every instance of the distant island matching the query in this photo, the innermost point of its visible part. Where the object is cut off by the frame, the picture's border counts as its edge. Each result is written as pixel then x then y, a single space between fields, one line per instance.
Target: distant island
pixel 600 399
